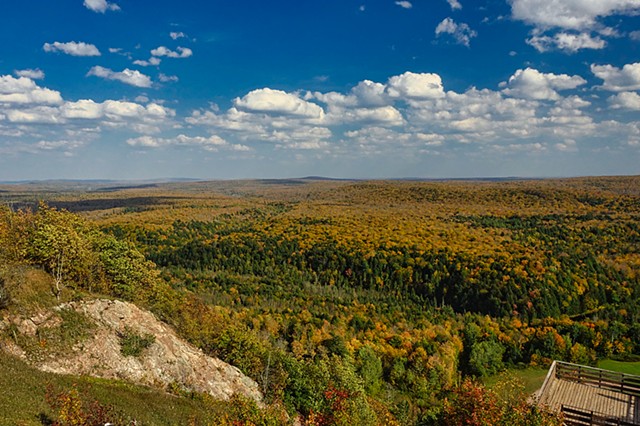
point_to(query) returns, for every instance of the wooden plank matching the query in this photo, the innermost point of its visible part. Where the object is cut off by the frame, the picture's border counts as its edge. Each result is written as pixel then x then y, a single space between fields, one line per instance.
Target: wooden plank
pixel 578 417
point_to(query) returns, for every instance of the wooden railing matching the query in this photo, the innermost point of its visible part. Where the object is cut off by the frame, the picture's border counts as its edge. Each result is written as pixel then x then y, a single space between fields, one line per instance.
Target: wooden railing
pixel 619 382
pixel 578 417
pixel 547 381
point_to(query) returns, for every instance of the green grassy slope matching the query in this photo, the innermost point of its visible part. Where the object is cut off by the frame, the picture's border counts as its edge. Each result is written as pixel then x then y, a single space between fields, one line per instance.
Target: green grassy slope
pixel 23 389
pixel 620 366
pixel 531 377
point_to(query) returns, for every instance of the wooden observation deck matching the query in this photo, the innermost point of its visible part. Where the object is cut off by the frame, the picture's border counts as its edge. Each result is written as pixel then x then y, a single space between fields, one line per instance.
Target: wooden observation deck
pixel 591 396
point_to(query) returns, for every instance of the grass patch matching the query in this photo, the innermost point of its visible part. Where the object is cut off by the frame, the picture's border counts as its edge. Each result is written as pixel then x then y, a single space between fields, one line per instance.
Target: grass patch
pixel 55 340
pixel 531 377
pixel 133 343
pixel 620 366
pixel 28 288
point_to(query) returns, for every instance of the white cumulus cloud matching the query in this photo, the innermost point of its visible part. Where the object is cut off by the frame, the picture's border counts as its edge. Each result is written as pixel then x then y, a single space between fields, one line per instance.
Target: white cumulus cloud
pixel 33 74
pixel 180 52
pixel 278 102
pixel 377 141
pixel 211 143
pixel 280 120
pixel 580 16
pixel 117 115
pixel 369 93
pixel 618 79
pixel 570 14
pixel 567 42
pixel 152 61
pixel 84 108
pixel 100 6
pixel 123 109
pixel 115 110
pixel 67 147
pixel 404 4
pixel 127 76
pixel 386 115
pixel 24 90
pixel 514 148
pixel 625 100
pixel 455 4
pixel 461 33
pixel 411 114
pixel 23 104
pixel 177 35
pixel 35 115
pixel 415 86
pixel 167 78
pixel 569 145
pixel 532 84
pixel 366 94
pixel 72 48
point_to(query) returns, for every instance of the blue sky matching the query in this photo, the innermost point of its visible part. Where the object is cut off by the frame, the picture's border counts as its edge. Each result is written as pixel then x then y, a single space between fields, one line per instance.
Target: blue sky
pixel 124 89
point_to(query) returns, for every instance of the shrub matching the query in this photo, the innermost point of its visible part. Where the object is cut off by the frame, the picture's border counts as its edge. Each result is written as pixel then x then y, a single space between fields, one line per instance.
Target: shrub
pixel 241 411
pixel 73 408
pixel 472 404
pixel 133 343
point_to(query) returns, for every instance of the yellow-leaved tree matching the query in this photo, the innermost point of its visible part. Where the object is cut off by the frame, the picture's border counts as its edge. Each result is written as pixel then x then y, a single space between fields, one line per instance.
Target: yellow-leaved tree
pixel 57 241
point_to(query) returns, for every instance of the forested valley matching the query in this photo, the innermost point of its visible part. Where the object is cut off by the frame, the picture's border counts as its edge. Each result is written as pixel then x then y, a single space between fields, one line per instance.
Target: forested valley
pixel 349 302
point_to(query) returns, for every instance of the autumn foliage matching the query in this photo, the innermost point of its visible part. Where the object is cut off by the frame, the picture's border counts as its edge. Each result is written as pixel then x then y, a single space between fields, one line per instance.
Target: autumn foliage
pixel 472 404
pixel 72 408
pixel 362 302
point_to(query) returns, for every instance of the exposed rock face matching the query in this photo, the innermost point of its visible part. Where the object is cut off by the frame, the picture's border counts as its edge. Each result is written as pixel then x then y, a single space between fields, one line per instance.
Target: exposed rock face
pixel 169 360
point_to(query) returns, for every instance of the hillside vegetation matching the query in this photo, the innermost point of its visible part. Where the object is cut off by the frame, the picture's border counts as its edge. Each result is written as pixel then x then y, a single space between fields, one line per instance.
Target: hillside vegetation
pixel 357 302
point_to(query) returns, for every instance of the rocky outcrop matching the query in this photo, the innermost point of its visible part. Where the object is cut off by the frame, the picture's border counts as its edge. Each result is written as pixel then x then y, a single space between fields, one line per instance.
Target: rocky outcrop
pixel 168 361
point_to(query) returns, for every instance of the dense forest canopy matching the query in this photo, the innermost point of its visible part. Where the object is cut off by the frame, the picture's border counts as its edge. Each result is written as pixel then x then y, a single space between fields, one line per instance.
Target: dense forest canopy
pixel 358 302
